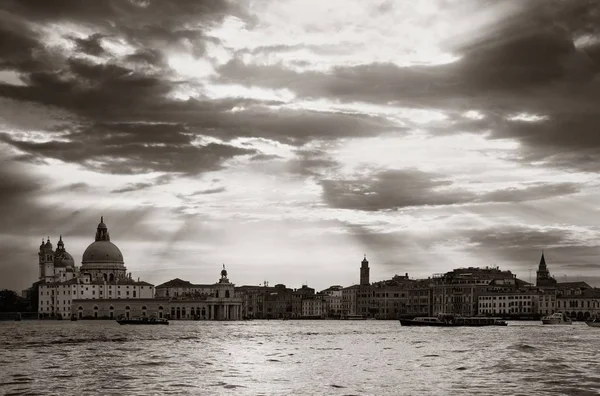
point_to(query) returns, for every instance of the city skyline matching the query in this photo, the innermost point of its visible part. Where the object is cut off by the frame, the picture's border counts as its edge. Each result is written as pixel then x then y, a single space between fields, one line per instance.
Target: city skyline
pixel 430 136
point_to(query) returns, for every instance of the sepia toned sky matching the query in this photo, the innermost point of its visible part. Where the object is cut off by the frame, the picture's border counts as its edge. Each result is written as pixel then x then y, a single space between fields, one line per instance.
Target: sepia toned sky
pixel 287 138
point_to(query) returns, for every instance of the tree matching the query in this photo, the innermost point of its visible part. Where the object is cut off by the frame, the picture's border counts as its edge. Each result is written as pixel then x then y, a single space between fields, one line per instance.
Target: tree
pixel 8 300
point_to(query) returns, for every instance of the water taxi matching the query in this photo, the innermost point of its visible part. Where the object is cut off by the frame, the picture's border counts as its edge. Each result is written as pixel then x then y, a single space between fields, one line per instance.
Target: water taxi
pixel 449 320
pixel 557 318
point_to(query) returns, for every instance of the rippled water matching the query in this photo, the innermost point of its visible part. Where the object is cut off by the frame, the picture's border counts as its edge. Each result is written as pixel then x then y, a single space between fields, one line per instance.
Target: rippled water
pixel 297 358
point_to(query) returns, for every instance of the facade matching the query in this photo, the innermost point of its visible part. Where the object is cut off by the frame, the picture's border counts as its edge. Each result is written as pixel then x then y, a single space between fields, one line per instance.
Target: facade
pixel 516 303
pixel 578 300
pixel 183 300
pixel 332 301
pixel 313 307
pixel 547 302
pixel 177 287
pixel 102 276
pixel 349 298
pixel 418 302
pixel 458 291
pixel 112 308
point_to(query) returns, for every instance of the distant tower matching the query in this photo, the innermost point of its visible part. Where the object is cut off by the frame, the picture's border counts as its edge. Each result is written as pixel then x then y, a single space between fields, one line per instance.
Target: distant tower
pixel 364 272
pixel 224 276
pixel 543 277
pixel 46 261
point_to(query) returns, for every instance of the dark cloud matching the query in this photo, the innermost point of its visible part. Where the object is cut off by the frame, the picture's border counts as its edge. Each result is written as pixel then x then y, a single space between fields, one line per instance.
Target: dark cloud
pixel 78 186
pixel 528 63
pixel 91 45
pixel 311 162
pixel 209 191
pixel 265 157
pixel 390 189
pixel 123 154
pixel 532 192
pixel 394 189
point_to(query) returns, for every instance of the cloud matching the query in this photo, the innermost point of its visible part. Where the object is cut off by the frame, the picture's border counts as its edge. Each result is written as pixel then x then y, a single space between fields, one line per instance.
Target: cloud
pixel 209 191
pixel 395 189
pixel 133 148
pixel 91 45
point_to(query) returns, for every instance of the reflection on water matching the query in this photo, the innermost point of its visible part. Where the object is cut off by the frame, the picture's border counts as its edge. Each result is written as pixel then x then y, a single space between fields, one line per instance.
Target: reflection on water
pixel 296 357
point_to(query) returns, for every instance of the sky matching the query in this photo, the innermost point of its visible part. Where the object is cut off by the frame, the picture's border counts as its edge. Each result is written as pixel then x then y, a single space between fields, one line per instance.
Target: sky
pixel 288 138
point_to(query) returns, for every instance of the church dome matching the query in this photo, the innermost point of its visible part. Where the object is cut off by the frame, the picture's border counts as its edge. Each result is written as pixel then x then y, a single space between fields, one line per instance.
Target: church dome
pixel 102 254
pixel 102 251
pixel 64 259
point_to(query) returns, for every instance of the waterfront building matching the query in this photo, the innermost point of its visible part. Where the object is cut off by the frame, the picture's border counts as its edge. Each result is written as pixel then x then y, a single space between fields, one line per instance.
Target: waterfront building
pixel 177 287
pixel 578 300
pixel 206 302
pixel 349 298
pixel 313 307
pixel 253 300
pixel 547 302
pixel 518 303
pixel 457 291
pixel 418 302
pixel 390 300
pixel 278 302
pixel 332 301
pixel 298 296
pixel 102 275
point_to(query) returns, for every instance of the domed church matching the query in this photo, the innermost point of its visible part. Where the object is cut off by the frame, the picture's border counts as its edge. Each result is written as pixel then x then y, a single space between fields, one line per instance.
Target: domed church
pixel 103 289
pixel 102 276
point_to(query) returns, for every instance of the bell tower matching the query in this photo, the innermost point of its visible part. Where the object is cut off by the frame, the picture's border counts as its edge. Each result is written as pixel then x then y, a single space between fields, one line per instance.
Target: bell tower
pixel 46 261
pixel 364 272
pixel 543 277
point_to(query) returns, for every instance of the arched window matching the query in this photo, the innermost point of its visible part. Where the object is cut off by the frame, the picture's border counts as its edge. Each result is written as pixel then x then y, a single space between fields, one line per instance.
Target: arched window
pixel 160 307
pixel 80 308
pixel 111 308
pixel 105 277
pixel 111 277
pixel 226 293
pixel 143 307
pixel 95 307
pixel 127 308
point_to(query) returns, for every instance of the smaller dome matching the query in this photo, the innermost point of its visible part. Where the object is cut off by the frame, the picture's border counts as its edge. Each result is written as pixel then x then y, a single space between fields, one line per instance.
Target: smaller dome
pixel 48 244
pixel 223 272
pixel 101 224
pixel 64 259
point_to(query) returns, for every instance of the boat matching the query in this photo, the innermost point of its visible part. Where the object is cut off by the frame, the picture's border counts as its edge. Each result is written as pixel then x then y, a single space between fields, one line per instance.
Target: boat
pixel 450 320
pixel 354 317
pixel 142 321
pixel 557 318
pixel 593 322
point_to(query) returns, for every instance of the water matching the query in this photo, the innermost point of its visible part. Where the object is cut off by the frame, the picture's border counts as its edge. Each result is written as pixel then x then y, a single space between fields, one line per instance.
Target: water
pixel 296 358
